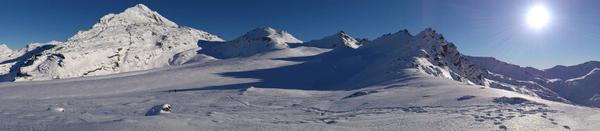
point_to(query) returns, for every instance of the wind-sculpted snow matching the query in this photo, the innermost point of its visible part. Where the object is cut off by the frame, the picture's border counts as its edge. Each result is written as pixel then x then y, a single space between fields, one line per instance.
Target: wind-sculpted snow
pixel 136 39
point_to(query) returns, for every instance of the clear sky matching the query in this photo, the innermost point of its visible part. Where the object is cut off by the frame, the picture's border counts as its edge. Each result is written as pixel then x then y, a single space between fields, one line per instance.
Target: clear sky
pixel 496 28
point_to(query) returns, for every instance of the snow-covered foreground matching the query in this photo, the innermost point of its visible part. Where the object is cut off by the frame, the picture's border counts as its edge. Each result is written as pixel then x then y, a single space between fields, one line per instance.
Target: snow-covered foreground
pixel 203 98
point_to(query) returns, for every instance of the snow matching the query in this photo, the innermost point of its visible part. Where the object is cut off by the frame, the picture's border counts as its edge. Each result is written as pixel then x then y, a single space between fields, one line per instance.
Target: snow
pixel 570 84
pixel 256 41
pixel 4 49
pixel 594 71
pixel 340 39
pixel 568 72
pixel 428 51
pixel 139 14
pixel 136 70
pixel 15 59
pixel 136 39
pixel 423 102
pixel 582 90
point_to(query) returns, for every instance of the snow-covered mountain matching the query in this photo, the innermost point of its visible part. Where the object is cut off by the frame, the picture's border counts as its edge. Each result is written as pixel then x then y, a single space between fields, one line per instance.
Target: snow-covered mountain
pixel 384 59
pixel 135 39
pixel 337 40
pixel 525 80
pixel 12 60
pixel 266 92
pixel 139 14
pixel 428 52
pixel 569 72
pixel 4 49
pixel 255 41
pixel 268 79
pixel 570 84
pixel 584 89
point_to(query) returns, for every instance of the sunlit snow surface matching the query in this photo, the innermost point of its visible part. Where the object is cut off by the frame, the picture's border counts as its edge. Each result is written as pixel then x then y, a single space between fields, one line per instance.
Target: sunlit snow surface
pixel 203 98
pixel 137 70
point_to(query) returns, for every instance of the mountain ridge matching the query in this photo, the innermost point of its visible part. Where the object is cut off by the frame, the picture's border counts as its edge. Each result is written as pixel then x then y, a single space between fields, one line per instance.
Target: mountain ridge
pixel 255 41
pixel 141 39
pixel 138 14
pixel 555 84
pixel 135 39
pixel 337 40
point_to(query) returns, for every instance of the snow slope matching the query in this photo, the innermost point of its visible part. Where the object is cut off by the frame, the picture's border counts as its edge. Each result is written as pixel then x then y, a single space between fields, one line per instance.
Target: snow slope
pixel 570 84
pixel 380 60
pixel 428 52
pixel 137 70
pixel 569 72
pixel 141 39
pixel 135 39
pixel 582 90
pixel 525 80
pixel 13 60
pixel 4 49
pixel 203 99
pixel 253 42
pixel 337 40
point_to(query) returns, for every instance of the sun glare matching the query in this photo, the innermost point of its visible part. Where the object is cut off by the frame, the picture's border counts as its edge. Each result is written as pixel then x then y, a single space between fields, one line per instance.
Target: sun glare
pixel 538 17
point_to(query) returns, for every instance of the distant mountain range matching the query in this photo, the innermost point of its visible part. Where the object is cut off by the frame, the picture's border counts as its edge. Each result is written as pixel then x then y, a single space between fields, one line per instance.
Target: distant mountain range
pixel 141 39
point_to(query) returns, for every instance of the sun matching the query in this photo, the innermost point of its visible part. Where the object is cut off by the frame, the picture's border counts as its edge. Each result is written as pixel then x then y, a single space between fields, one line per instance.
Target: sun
pixel 538 17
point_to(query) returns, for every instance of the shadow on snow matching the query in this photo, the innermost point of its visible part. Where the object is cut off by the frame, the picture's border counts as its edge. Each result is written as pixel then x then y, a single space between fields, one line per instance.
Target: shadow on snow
pixel 20 61
pixel 320 72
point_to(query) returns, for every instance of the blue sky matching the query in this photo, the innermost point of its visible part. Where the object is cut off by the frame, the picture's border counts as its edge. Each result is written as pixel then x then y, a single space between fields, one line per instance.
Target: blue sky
pixel 494 28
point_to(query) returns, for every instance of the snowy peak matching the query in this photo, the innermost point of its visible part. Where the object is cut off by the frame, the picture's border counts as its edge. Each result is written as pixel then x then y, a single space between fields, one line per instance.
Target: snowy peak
pixel 139 14
pixel 400 51
pixel 340 39
pixel 525 80
pixel 430 34
pixel 269 35
pixel 508 70
pixel 568 72
pixel 400 35
pixel 427 32
pixel 390 42
pixel 135 39
pixel 4 49
pixel 256 41
pixel 595 73
pixel 589 64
